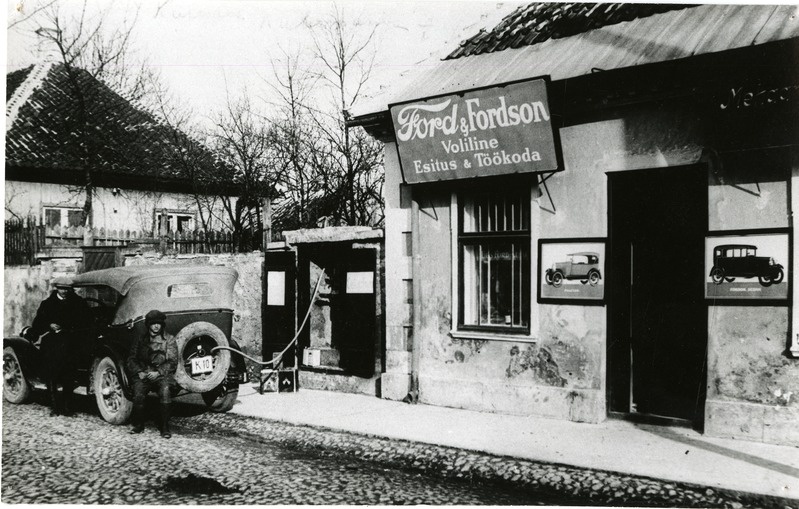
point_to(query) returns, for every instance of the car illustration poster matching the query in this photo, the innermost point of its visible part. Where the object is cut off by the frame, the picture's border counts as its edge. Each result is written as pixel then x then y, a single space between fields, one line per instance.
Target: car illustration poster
pixel 753 266
pixel 572 270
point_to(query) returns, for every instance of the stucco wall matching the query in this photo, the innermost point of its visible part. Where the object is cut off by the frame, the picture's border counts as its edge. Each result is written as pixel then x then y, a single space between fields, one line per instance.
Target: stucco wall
pixel 128 210
pixel 24 288
pixel 752 384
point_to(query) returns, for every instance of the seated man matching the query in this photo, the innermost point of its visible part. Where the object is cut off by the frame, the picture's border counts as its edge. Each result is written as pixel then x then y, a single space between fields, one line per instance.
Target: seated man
pixel 57 323
pixel 151 364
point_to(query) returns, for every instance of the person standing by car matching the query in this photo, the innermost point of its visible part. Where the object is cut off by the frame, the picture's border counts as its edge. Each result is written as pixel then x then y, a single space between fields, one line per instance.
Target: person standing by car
pixel 56 325
pixel 152 364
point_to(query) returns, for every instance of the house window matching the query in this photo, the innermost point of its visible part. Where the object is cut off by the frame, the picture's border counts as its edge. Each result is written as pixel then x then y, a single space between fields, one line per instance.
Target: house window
pixel 174 222
pixel 494 255
pixel 63 217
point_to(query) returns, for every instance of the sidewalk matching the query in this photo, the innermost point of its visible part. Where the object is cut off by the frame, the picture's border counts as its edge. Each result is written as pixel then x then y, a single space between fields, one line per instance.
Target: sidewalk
pixel 674 454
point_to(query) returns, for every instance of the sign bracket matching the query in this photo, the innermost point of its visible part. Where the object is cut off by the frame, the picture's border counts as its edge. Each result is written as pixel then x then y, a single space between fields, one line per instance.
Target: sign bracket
pixel 543 177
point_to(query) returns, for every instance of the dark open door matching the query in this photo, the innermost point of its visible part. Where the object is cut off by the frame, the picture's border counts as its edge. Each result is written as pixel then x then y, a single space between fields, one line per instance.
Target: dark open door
pixel 278 305
pixel 354 313
pixel 656 312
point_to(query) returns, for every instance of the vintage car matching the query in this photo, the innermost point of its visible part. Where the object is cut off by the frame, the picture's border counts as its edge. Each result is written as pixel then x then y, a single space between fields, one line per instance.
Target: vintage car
pixel 741 260
pixel 581 266
pixel 197 301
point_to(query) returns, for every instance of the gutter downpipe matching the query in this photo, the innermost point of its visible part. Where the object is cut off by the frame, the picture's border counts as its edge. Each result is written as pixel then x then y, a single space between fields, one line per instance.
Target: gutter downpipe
pixel 413 395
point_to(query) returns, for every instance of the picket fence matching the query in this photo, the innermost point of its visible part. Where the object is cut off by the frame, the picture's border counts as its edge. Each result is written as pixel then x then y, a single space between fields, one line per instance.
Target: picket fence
pixel 24 238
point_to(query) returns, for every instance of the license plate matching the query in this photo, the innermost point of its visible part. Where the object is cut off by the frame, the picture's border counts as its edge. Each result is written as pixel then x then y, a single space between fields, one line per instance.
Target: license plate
pixel 201 365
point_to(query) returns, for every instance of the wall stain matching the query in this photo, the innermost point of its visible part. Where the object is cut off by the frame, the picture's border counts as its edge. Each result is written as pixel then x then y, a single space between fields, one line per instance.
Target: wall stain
pixel 537 360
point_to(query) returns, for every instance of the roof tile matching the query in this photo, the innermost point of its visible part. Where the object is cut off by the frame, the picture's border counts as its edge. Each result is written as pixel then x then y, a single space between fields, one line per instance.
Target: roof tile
pixel 538 22
pixel 125 138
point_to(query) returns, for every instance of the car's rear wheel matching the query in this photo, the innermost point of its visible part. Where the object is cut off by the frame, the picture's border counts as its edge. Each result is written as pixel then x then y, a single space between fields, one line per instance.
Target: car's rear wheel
pixel 222 398
pixel 593 278
pixel 196 342
pixel 16 389
pixel 717 275
pixel 114 406
pixel 557 279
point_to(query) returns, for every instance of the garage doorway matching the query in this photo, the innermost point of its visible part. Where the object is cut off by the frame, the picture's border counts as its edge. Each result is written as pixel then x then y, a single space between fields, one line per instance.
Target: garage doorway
pixel 657 317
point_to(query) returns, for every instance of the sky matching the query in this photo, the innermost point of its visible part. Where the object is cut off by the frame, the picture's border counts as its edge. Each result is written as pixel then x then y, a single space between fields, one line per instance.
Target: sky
pixel 207 48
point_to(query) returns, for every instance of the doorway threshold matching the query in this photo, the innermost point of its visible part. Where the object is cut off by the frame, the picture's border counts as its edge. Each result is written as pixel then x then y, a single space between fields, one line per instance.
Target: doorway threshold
pixel 657 420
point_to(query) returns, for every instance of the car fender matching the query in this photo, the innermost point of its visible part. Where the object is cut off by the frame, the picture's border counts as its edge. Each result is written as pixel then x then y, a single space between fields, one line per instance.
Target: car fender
pixel 119 362
pixel 26 353
pixel 236 359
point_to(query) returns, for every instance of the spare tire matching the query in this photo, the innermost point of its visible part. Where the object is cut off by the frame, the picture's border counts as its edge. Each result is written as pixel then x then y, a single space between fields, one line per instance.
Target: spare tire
pixel 196 341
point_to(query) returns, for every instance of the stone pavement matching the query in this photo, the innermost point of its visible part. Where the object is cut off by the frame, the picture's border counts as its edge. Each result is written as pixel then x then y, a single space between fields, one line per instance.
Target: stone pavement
pixel 661 453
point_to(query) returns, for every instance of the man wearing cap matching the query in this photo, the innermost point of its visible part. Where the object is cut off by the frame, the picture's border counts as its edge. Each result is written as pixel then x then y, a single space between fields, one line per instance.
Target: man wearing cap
pixel 152 363
pixel 57 322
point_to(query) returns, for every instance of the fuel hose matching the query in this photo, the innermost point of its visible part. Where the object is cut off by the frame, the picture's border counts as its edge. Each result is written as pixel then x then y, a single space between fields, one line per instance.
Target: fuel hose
pixel 279 357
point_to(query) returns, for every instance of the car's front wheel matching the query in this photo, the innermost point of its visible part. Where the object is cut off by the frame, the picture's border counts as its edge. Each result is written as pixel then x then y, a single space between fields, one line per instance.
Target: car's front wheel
pixel 16 388
pixel 717 275
pixel 114 406
pixel 593 278
pixel 557 279
pixel 222 398
pixel 778 277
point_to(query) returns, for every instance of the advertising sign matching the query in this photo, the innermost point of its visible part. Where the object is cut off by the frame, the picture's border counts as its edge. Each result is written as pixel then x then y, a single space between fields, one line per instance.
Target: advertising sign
pixel 492 131
pixel 747 265
pixel 571 270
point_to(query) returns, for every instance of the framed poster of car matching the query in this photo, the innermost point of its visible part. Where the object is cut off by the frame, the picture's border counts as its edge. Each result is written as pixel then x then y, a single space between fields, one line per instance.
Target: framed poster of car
pixel 747 265
pixel 571 270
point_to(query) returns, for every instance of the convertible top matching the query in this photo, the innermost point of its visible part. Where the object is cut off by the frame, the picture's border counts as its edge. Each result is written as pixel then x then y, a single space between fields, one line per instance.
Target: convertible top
pixel 168 288
pixel 122 279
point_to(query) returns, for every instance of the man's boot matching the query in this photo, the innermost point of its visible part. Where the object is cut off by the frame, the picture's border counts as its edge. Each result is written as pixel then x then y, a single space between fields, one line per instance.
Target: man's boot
pixel 66 408
pixel 137 420
pixel 52 391
pixel 165 431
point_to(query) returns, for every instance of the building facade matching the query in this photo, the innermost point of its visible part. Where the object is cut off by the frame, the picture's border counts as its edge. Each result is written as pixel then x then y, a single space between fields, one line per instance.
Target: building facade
pixel 635 260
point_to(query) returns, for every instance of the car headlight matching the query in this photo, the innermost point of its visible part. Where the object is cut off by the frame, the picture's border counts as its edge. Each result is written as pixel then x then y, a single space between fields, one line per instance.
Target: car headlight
pixel 771 261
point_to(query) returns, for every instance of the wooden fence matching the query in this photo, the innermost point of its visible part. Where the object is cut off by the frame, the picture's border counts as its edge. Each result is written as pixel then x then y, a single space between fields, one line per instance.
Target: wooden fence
pixel 24 238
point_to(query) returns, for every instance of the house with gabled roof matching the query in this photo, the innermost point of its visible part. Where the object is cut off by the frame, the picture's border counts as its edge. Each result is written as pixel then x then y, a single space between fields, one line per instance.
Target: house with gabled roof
pixel 145 173
pixel 648 134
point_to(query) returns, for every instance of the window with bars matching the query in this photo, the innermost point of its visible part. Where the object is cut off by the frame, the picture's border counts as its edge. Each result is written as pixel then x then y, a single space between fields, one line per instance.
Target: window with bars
pixel 494 247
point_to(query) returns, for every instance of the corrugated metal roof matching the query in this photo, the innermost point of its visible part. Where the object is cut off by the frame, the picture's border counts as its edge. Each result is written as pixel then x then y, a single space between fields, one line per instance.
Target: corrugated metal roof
pixel 657 38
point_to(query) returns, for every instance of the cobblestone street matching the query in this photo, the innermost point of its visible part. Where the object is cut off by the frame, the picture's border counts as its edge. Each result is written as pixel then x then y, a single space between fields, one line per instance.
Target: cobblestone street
pixel 84 460
pixel 229 459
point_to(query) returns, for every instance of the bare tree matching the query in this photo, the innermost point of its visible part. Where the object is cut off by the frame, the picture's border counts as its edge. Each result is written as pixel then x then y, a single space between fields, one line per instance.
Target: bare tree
pixel 345 50
pixel 185 152
pixel 242 139
pixel 293 137
pixel 89 49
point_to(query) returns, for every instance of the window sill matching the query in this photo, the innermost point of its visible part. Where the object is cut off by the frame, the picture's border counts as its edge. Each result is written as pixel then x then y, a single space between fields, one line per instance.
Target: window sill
pixel 492 336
